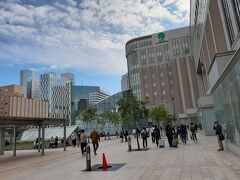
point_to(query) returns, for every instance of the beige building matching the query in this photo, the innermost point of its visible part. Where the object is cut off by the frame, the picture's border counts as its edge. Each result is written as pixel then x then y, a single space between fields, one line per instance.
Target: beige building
pixel 161 68
pixel 215 37
pixel 13 103
pixel 215 32
pixel 13 90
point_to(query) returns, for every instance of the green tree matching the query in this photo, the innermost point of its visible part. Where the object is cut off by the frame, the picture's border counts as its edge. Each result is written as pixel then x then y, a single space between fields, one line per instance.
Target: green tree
pixel 110 117
pixel 115 119
pixel 89 115
pixel 159 114
pixel 74 115
pixel 132 110
pixel 170 118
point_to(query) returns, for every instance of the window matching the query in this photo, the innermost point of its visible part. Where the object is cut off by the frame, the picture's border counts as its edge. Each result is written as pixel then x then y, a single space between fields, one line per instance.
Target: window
pixel 175 45
pixel 161 74
pixel 166 51
pixel 164 92
pixel 155 93
pixel 159 53
pixel 143 57
pixel 145 77
pixel 154 84
pixel 170 73
pixel 196 11
pixel 228 21
pixel 236 6
pixel 151 55
pixel 163 83
pixel 146 94
pixel 185 45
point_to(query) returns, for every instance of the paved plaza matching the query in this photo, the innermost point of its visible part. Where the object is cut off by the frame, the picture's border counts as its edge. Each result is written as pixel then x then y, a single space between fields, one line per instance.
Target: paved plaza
pixel 191 161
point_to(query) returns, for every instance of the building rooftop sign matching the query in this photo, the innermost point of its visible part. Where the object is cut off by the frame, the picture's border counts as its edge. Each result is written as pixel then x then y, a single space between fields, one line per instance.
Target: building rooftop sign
pixel 161 37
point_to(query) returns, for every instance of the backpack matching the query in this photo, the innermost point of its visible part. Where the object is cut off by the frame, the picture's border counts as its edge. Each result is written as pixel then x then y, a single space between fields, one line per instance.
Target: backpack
pixel 143 134
pixel 221 137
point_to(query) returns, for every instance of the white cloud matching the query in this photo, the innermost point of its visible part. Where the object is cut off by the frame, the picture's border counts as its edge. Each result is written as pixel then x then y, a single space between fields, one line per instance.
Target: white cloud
pixel 87 35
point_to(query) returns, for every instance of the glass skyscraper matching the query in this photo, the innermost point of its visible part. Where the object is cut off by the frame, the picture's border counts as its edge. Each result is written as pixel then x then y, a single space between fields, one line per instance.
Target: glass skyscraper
pixel 26 81
pixel 57 91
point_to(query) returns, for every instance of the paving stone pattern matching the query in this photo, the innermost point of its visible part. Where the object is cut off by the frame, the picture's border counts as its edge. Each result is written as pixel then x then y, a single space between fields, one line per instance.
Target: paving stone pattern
pixel 190 161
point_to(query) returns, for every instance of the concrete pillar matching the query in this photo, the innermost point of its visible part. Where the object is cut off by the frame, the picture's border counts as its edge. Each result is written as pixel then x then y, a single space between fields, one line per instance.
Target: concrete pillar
pixel 43 138
pixel 2 140
pixel 39 137
pixel 64 136
pixel 14 140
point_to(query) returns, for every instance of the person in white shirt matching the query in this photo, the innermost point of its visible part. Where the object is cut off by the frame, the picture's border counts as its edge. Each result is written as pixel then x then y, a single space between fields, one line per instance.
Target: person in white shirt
pixel 83 141
pixel 74 137
pixel 134 132
pixel 153 134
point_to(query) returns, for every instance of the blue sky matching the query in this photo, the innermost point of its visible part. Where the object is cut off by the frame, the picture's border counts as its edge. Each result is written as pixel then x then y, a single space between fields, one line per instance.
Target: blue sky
pixel 84 37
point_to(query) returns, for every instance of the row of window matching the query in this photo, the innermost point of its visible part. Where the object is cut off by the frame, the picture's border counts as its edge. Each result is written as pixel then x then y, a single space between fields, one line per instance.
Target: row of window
pixel 159 53
pixel 177 44
pixel 138 44
pixel 232 20
pixel 155 93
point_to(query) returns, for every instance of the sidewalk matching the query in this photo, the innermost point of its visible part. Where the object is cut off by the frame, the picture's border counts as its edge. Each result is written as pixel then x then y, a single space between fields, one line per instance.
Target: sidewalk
pixel 191 161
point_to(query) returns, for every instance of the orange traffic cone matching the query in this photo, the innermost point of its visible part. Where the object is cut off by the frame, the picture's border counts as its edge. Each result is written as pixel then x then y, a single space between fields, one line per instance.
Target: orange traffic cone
pixel 105 165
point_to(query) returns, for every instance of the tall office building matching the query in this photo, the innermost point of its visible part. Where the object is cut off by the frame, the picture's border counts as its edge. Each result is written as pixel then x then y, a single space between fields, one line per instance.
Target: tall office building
pixel 26 80
pixel 80 96
pixel 215 32
pixel 125 82
pixel 68 77
pixel 161 68
pixel 56 90
pixel 96 97
pixel 35 89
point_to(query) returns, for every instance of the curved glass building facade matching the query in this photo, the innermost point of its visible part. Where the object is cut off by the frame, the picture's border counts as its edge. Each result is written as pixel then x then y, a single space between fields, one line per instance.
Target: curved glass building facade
pixel 108 104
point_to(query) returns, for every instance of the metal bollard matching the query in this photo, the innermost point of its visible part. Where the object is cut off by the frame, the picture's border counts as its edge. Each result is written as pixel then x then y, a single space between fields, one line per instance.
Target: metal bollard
pixel 88 158
pixel 129 144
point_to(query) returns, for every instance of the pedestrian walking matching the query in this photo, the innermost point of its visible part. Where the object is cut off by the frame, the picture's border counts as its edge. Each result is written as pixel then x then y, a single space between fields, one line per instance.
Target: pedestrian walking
pixel 144 135
pixel 73 138
pixel 95 140
pixel 134 132
pixel 193 132
pixel 121 136
pixel 78 137
pixel 56 142
pixel 183 134
pixel 169 134
pixel 157 134
pixel 220 137
pixel 153 134
pixel 83 141
pixel 125 133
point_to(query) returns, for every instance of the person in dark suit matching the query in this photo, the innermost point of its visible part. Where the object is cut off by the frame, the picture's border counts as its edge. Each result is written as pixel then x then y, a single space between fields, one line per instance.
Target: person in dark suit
pixel 157 134
pixel 220 137
pixel 169 134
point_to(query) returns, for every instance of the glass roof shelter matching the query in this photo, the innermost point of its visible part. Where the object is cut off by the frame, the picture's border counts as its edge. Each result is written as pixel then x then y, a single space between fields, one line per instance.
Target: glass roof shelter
pixel 9 121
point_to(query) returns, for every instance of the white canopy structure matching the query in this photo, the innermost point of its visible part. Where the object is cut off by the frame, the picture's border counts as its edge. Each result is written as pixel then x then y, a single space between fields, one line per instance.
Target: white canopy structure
pixel 32 134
